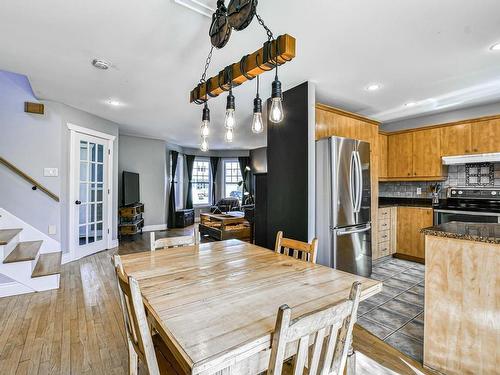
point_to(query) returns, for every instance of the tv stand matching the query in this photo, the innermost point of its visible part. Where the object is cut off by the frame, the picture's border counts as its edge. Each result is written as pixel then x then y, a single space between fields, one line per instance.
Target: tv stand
pixel 131 219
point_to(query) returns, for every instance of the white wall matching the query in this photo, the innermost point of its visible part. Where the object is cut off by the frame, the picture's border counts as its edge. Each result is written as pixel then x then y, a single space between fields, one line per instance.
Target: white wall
pixel 33 142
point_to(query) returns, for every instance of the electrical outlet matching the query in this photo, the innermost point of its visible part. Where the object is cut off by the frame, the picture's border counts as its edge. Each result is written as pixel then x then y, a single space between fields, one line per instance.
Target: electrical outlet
pixel 50 172
pixel 419 191
pixel 52 229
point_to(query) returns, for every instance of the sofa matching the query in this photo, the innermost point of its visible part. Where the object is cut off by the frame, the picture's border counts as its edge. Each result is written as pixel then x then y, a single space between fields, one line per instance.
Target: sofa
pixel 226 205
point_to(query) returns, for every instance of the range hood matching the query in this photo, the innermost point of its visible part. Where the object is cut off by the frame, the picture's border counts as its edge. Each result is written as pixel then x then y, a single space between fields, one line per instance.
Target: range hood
pixel 476 158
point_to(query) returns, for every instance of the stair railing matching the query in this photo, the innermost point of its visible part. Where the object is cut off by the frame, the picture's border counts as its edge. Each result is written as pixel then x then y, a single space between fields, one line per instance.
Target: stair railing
pixel 35 184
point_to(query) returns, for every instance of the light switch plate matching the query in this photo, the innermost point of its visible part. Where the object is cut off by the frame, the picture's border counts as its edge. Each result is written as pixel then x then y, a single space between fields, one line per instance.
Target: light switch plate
pixel 419 191
pixel 52 229
pixel 50 172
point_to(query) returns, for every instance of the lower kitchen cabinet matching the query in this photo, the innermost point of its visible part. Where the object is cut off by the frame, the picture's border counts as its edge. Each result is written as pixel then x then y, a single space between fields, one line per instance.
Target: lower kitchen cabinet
pixel 410 221
pixel 386 245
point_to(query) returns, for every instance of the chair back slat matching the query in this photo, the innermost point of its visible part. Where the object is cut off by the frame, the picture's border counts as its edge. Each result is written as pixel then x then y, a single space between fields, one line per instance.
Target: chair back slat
pixel 169 242
pixel 136 324
pixel 296 249
pixel 331 329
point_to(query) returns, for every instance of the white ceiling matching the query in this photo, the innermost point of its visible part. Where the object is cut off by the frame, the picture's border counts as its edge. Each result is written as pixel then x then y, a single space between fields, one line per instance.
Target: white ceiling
pixel 433 52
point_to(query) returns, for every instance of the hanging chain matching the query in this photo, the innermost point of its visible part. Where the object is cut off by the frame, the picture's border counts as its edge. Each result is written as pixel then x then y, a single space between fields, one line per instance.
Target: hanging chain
pixel 270 35
pixel 207 64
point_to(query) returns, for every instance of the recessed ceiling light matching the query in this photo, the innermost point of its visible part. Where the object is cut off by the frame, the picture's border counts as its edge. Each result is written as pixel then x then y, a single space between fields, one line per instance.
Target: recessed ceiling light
pixel 373 87
pixel 114 103
pixel 411 104
pixel 495 47
pixel 101 64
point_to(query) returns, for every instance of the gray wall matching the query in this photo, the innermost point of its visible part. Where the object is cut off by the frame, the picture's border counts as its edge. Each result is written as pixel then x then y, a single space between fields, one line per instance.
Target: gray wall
pixel 258 160
pixel 444 117
pixel 148 157
pixel 33 142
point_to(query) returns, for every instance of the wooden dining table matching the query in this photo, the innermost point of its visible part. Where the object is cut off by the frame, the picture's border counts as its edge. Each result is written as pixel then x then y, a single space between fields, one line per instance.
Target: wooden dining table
pixel 215 304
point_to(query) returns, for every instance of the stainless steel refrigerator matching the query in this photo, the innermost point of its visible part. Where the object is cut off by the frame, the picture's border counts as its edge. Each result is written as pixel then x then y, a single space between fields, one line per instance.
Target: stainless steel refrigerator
pixel 343 200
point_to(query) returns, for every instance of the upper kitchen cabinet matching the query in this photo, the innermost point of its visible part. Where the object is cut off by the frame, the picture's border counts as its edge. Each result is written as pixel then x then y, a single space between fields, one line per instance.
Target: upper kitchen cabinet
pixel 382 156
pixel 400 155
pixel 485 136
pixel 455 139
pixel 427 153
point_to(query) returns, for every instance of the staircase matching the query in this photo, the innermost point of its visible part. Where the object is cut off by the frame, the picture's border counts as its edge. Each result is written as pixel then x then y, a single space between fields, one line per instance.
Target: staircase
pixel 24 268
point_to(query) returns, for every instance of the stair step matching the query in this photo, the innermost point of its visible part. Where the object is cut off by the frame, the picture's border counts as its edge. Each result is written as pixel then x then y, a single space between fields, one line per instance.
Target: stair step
pixel 24 251
pixel 6 235
pixel 48 264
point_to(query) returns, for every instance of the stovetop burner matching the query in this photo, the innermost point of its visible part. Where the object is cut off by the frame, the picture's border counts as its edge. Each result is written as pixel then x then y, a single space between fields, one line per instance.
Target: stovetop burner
pixel 472 199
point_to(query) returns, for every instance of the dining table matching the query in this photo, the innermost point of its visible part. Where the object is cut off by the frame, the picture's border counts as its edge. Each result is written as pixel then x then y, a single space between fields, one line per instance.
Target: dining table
pixel 215 304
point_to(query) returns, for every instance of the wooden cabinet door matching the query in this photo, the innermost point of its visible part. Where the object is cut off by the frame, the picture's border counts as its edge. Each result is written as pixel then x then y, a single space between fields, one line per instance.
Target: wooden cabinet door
pixel 456 140
pixel 427 153
pixel 410 221
pixel 400 155
pixel 382 155
pixel 485 136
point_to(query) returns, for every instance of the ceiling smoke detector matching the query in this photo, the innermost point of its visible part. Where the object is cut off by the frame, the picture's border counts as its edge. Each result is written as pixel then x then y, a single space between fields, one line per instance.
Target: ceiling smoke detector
pixel 101 64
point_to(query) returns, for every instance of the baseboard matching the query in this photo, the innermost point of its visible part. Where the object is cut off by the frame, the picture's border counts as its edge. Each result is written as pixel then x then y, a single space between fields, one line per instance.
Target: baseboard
pixel 409 257
pixel 154 228
pixel 114 243
pixel 13 289
pixel 66 258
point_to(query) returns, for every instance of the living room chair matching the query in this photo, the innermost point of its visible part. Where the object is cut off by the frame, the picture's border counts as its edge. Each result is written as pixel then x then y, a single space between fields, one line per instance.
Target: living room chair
pixel 169 242
pixel 142 345
pixel 287 246
pixel 328 331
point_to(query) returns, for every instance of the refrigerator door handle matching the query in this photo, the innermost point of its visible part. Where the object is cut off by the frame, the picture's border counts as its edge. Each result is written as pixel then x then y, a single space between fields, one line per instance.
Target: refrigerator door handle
pixel 352 181
pixel 357 229
pixel 359 170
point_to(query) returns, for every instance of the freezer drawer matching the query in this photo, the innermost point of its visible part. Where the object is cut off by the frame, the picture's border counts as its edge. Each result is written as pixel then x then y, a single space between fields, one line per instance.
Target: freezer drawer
pixel 353 249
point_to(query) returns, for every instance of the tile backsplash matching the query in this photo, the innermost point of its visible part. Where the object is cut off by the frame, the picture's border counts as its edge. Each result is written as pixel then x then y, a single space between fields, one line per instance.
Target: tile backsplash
pixel 470 175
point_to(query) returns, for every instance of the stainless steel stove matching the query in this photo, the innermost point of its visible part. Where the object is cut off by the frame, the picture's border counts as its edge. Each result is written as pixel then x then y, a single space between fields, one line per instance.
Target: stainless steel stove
pixel 472 205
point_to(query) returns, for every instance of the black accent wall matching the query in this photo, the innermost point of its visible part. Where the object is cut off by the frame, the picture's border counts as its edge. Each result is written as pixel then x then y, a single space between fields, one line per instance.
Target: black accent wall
pixel 287 169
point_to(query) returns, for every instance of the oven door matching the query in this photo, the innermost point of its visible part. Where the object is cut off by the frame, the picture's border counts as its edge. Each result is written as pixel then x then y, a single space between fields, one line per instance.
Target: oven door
pixel 445 216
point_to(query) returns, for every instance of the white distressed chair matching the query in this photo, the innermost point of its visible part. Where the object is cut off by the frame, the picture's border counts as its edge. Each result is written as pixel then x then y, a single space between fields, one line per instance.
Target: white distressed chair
pixel 169 242
pixel 141 344
pixel 327 331
pixel 287 246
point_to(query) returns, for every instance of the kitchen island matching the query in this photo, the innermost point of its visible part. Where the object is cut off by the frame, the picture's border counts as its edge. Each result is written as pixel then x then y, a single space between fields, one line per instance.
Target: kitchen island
pixel 462 298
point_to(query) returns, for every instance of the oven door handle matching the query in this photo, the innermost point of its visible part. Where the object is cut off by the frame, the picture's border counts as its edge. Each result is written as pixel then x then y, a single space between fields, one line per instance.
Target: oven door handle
pixel 471 213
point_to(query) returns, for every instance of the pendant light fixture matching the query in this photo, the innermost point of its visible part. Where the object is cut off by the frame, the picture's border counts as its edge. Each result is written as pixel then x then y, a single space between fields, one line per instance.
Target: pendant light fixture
pixel 204 144
pixel 257 124
pixel 205 121
pixel 228 137
pixel 230 120
pixel 276 114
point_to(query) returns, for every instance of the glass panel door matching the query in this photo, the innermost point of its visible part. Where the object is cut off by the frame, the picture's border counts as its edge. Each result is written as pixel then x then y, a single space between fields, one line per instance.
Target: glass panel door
pixel 91 194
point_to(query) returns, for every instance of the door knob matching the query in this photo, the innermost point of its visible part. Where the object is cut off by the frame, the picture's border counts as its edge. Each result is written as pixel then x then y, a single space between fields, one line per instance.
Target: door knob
pixel 78 202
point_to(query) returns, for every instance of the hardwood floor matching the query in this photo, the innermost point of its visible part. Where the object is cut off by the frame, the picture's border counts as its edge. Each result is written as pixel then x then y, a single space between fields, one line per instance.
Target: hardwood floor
pixel 78 328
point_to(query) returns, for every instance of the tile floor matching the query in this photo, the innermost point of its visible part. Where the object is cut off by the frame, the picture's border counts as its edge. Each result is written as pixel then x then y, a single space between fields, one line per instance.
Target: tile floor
pixel 396 314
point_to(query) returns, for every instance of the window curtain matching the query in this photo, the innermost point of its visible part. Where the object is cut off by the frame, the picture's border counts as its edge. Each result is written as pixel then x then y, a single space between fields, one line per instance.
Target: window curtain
pixel 244 162
pixel 189 197
pixel 214 163
pixel 171 198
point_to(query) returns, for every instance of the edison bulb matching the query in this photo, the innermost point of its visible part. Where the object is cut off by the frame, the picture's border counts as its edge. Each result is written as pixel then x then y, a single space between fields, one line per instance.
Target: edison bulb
pixel 205 130
pixel 276 114
pixel 257 124
pixel 228 137
pixel 204 145
pixel 230 120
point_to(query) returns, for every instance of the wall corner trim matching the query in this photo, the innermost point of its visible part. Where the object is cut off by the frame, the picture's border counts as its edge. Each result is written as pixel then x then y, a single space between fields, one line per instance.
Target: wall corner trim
pixel 95 133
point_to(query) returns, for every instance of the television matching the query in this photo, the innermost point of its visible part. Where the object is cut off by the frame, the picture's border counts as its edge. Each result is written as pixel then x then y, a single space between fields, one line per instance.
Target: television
pixel 130 188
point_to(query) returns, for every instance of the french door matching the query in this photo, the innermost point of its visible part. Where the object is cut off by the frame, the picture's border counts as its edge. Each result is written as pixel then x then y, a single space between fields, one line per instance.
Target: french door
pixel 90 195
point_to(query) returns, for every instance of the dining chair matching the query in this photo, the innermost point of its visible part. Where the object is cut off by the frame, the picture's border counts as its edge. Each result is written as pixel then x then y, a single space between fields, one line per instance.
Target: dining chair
pixel 287 246
pixel 142 345
pixel 324 338
pixel 168 242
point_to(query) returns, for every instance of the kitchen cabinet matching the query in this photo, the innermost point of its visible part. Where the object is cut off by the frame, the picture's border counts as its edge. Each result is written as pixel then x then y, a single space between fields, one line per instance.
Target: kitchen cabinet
pixel 387 219
pixel 400 155
pixel 382 156
pixel 455 139
pixel 427 153
pixel 485 136
pixel 410 221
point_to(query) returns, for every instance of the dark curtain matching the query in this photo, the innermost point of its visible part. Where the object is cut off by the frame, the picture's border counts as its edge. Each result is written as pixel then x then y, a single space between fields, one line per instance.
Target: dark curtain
pixel 214 163
pixel 244 162
pixel 189 198
pixel 171 198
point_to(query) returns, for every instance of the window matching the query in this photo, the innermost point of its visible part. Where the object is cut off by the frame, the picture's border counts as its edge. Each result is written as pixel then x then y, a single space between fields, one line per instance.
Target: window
pixel 232 176
pixel 201 181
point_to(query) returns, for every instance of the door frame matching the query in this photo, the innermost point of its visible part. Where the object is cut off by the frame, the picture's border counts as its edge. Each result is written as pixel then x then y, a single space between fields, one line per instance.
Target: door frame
pixel 74 129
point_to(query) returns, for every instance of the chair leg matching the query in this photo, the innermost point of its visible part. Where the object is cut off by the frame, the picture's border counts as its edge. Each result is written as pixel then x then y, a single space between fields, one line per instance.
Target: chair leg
pixel 351 361
pixel 133 361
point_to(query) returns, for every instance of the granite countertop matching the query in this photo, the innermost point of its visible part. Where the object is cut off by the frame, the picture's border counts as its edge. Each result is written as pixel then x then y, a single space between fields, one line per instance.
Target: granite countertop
pixel 400 201
pixel 478 232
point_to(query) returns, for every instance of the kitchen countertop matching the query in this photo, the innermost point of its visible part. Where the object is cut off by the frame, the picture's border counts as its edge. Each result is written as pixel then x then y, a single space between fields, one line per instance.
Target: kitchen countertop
pixel 478 232
pixel 400 201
